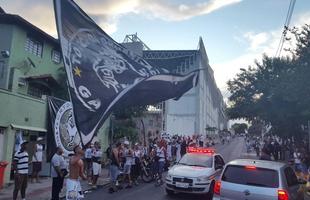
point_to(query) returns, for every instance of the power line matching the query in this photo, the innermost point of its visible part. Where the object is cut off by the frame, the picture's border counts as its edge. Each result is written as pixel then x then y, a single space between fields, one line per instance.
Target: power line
pixel 286 26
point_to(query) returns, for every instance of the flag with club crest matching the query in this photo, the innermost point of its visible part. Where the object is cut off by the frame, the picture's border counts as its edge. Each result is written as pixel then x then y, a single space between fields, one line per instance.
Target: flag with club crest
pixel 104 76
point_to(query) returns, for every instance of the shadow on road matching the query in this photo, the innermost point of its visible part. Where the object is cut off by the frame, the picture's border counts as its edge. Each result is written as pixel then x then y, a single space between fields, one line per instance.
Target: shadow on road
pixel 181 196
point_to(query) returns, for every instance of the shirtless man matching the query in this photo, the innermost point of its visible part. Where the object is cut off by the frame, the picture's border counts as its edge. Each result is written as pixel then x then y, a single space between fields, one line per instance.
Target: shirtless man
pixel 76 170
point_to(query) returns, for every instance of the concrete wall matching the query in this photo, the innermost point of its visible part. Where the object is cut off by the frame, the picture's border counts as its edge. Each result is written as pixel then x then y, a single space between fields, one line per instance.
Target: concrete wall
pixel 181 114
pixel 43 65
pixel 22 110
pixel 19 110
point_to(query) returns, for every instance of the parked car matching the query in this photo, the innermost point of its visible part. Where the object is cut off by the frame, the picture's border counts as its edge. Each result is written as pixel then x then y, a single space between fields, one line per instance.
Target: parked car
pixel 257 180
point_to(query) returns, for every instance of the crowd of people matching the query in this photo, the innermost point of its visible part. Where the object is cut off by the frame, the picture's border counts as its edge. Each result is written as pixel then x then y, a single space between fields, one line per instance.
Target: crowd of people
pixel 294 152
pixel 124 160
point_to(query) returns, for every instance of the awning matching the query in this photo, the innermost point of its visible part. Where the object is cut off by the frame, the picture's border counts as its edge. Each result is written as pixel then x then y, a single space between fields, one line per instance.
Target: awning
pixel 30 128
pixel 47 80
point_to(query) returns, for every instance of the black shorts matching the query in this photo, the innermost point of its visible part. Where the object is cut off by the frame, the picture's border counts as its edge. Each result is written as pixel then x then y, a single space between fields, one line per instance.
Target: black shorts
pixel 36 166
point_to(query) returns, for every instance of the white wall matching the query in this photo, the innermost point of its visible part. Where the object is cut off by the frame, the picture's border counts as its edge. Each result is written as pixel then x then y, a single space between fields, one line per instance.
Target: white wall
pixel 181 125
pixel 181 114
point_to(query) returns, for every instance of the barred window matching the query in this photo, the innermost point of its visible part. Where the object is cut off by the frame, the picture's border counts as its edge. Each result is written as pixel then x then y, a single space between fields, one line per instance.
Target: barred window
pixel 56 56
pixel 33 46
pixel 37 90
pixel 1 69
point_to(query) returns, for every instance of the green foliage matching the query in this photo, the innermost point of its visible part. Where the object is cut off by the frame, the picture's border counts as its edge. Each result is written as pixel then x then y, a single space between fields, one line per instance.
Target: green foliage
pixel 239 127
pixel 276 90
pixel 62 91
pixel 125 128
pixel 256 128
pixel 124 125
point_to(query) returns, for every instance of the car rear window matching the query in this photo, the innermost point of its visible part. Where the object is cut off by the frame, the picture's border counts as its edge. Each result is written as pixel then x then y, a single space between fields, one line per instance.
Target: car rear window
pixel 260 177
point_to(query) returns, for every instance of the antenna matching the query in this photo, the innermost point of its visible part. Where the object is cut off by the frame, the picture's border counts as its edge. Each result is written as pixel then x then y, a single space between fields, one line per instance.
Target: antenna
pixel 134 38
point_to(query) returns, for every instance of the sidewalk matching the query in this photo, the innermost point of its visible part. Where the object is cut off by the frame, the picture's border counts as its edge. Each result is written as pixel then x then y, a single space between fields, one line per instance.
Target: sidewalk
pixel 43 190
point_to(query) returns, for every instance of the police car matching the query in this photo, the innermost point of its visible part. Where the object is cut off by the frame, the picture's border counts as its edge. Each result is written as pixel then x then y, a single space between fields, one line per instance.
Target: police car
pixel 196 172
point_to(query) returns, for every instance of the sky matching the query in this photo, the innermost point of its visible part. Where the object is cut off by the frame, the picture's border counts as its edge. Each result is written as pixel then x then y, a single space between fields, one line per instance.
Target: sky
pixel 235 32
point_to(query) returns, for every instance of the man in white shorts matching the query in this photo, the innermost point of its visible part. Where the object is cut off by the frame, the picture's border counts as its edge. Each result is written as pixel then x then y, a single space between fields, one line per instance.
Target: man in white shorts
pixel 76 170
pixel 96 156
pixel 127 167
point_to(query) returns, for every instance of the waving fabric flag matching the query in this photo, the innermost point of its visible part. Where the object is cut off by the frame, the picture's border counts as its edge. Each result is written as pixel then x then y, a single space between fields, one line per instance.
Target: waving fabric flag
pixel 103 75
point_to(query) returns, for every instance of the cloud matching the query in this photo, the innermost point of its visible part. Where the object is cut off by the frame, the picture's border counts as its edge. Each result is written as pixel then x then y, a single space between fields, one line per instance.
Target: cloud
pixel 173 12
pixel 256 40
pixel 107 13
pixel 259 43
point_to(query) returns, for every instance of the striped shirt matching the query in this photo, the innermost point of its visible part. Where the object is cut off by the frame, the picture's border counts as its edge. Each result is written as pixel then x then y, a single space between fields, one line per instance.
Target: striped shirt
pixel 22 161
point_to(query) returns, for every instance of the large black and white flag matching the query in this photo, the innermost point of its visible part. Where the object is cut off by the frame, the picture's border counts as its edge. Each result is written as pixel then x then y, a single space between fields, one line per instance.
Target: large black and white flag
pixel 103 75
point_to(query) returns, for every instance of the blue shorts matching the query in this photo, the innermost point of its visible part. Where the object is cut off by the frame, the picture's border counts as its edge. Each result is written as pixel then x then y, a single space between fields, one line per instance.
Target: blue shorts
pixel 127 169
pixel 161 165
pixel 114 172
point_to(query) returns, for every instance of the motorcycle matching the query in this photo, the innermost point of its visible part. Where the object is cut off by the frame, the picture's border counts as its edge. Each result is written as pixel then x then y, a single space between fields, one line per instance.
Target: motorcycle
pixel 148 173
pixel 146 170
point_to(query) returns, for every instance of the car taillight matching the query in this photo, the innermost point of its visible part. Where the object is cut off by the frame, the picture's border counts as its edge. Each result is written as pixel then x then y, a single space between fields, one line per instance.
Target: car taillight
pixel 217 187
pixel 282 195
pixel 250 167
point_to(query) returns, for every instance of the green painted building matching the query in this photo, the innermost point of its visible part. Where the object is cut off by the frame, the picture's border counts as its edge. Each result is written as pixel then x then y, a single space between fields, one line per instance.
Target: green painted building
pixel 31 68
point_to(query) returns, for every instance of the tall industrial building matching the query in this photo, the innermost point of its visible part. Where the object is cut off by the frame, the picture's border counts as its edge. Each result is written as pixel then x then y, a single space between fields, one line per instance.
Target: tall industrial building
pixel 200 110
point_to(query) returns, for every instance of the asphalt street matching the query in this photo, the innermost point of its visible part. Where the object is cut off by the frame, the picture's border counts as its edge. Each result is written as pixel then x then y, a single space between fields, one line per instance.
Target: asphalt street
pixel 235 149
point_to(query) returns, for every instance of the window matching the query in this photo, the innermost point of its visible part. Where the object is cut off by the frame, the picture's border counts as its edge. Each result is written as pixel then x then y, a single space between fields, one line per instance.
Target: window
pixel 1 69
pixel 290 177
pixel 259 177
pixel 37 90
pixel 193 159
pixel 56 56
pixel 33 46
pixel 219 161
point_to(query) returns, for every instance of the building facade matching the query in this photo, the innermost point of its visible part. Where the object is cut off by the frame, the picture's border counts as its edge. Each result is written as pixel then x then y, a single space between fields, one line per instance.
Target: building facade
pixel 201 109
pixel 31 69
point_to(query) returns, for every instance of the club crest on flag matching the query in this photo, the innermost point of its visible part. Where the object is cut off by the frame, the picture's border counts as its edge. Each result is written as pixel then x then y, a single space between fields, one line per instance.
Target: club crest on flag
pixel 66 134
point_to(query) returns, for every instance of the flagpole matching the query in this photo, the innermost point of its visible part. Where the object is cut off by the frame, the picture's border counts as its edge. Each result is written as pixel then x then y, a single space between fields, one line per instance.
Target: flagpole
pixel 73 113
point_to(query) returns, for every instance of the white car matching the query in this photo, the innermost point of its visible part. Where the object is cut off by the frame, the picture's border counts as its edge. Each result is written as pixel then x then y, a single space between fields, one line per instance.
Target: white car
pixel 195 173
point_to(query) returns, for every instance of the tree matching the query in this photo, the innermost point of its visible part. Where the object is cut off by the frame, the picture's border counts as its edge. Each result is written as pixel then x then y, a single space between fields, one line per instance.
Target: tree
pixel 239 127
pixel 62 91
pixel 276 90
pixel 124 125
pixel 256 128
